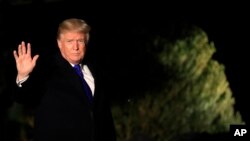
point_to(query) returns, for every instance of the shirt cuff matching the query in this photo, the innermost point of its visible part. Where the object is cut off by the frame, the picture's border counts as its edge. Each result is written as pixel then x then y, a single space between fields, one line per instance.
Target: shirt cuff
pixel 19 82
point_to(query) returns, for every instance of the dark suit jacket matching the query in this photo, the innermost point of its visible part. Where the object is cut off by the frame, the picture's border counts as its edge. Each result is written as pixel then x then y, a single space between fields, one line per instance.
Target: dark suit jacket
pixel 61 108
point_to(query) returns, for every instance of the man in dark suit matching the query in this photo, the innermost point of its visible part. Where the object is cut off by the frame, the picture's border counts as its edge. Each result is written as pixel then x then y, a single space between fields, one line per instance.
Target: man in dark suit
pixel 68 106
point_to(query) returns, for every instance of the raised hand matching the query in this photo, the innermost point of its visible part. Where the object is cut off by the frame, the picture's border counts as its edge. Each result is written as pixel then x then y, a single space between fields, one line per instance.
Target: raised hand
pixel 24 62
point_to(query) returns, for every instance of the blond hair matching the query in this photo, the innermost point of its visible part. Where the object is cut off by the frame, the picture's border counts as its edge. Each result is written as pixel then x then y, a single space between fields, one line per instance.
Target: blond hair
pixel 73 24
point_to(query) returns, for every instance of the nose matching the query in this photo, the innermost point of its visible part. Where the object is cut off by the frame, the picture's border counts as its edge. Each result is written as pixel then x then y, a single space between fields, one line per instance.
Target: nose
pixel 75 45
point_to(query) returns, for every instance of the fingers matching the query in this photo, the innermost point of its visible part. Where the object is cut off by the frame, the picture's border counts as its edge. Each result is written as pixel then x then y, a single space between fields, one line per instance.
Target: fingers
pixel 29 49
pixel 23 47
pixel 15 55
pixel 22 50
pixel 35 59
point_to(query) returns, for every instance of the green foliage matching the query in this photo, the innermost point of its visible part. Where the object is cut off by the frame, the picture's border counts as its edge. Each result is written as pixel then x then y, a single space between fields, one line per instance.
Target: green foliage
pixel 23 119
pixel 195 98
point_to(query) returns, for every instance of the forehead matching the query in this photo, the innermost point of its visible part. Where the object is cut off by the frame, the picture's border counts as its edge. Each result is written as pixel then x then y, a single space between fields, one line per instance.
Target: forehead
pixel 72 35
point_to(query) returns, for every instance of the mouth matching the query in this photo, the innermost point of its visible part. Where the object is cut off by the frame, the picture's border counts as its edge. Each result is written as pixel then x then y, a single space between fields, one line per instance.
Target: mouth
pixel 75 53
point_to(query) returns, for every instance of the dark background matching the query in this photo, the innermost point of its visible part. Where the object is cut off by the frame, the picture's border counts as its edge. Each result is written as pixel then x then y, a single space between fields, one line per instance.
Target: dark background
pixel 118 26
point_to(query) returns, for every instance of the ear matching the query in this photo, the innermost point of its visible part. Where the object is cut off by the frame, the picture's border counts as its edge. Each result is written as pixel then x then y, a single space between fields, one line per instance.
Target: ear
pixel 59 44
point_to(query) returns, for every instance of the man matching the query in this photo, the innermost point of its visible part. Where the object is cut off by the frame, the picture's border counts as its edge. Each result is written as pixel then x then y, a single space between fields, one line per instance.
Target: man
pixel 68 106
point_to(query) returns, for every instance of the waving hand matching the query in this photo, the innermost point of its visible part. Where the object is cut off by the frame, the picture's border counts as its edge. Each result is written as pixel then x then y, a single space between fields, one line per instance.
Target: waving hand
pixel 24 62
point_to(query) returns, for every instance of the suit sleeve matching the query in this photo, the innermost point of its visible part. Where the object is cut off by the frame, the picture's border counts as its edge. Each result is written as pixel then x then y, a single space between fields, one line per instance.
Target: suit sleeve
pixel 32 89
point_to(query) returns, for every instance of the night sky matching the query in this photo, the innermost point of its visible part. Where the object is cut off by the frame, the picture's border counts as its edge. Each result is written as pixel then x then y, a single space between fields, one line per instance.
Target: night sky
pixel 116 25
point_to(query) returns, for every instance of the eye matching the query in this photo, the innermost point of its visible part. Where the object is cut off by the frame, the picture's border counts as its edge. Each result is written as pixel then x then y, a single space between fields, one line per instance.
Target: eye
pixel 81 41
pixel 69 41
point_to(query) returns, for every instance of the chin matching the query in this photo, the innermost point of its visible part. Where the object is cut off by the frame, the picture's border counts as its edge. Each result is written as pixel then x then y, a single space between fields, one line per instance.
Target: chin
pixel 74 61
pixel 77 62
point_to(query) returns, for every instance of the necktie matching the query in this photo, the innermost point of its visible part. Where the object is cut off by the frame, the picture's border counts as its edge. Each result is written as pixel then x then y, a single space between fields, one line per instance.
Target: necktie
pixel 84 83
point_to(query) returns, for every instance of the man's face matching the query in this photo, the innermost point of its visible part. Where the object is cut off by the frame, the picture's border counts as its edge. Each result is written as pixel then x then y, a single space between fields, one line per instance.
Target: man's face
pixel 72 46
